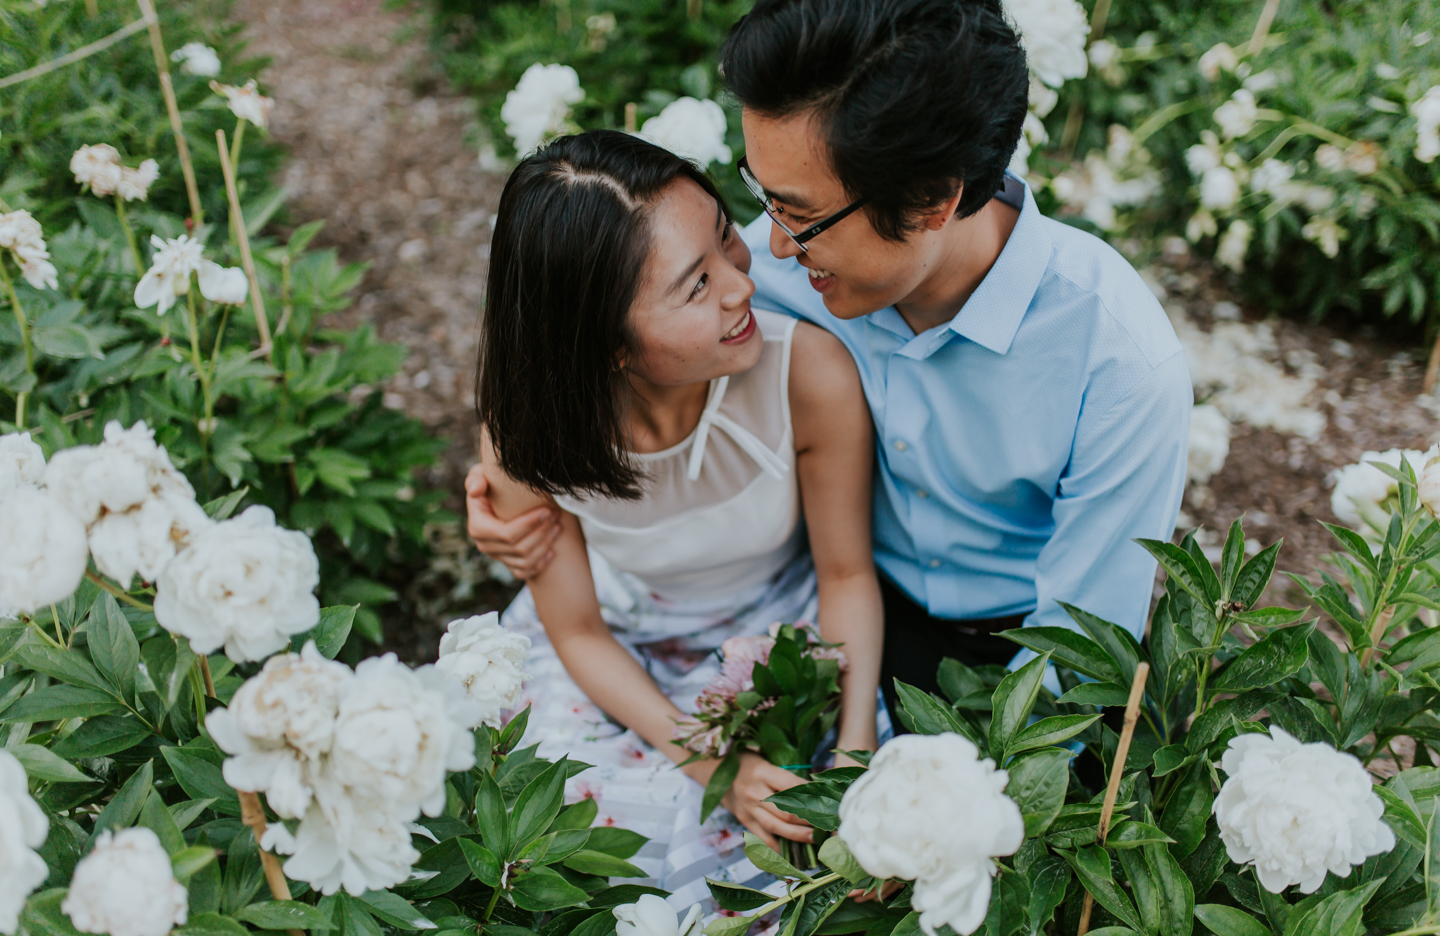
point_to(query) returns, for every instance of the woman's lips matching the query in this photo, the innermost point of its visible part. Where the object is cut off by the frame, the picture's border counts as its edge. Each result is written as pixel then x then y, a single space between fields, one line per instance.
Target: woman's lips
pixel 740 332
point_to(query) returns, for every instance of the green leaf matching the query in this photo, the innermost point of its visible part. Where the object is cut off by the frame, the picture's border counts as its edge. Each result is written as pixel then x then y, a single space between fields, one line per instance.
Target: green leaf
pixel 331 633
pixel 1231 557
pixel 1113 639
pixel 1092 866
pixel 1355 544
pixel 1270 660
pixel 1050 731
pixel 740 899
pixel 537 806
pixel 1269 617
pixel 41 764
pixel 1037 784
pixel 1188 809
pixel 102 736
pixel 768 859
pixel 155 817
pixel 490 817
pixel 1127 833
pixel 581 815
pixel 124 807
pixel 1097 693
pixel 587 861
pixel 1048 879
pixel 283 915
pixel 42 915
pixel 1181 567
pixel 835 856
pixel 484 863
pixel 67 667
pixel 187 812
pixel 719 784
pixel 187 861
pixel 615 841
pixel 1229 921
pixel 1068 649
pixel 211 924
pixel 542 889
pixel 1171 758
pixel 395 910
pixel 1336 915
pixel 1255 575
pixel 202 780
pixel 1401 817
pixel 728 926
pixel 55 702
pixel 1013 700
pixel 222 507
pixel 1176 896
pixel 112 642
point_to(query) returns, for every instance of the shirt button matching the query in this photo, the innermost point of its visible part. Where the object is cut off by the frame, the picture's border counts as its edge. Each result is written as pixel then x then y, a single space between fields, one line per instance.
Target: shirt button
pixel 934 563
pixel 900 445
pixel 922 494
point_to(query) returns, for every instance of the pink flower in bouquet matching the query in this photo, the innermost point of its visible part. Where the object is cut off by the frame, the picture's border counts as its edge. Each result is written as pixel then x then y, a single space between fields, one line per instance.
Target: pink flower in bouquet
pixel 831 653
pixel 696 737
pixel 741 654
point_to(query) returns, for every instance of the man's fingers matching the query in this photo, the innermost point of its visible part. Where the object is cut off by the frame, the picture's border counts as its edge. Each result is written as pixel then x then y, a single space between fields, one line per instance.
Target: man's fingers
pixel 777 777
pixel 513 531
pixel 531 547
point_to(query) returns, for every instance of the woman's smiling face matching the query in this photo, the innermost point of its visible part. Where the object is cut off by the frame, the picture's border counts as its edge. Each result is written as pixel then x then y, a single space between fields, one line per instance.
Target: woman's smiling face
pixel 691 316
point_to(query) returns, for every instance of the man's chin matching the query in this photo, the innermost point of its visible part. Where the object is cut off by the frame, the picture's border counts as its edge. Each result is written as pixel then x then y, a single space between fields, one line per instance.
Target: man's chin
pixel 842 305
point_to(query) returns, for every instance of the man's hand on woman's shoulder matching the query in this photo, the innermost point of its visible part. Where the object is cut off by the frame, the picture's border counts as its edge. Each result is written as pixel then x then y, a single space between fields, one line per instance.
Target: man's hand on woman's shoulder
pixel 522 532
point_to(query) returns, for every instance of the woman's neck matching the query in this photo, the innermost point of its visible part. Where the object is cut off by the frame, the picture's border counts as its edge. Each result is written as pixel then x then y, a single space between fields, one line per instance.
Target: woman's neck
pixel 662 416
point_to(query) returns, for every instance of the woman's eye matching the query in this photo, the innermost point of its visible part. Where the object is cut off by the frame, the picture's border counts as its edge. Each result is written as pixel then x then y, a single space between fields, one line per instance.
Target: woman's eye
pixel 704 278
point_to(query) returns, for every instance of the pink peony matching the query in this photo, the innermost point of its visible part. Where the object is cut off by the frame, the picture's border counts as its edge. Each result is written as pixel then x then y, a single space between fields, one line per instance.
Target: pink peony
pixel 740 655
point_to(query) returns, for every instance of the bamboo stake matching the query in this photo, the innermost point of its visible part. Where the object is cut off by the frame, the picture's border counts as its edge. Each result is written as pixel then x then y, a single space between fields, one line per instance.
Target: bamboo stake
pixel 253 816
pixel 257 301
pixel 630 123
pixel 162 66
pixel 1262 27
pixel 1112 789
pixel 205 675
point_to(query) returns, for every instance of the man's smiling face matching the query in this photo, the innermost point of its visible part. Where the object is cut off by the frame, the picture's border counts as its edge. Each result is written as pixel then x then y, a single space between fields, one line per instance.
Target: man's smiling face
pixel 855 270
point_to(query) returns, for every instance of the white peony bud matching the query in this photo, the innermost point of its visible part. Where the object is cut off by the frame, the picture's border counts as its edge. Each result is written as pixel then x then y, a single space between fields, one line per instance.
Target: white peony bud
pixel 169 276
pixel 97 166
pixel 278 725
pixel 42 552
pixel 343 841
pixel 196 58
pixel 397 732
pixel 23 828
pixel 135 183
pixel 539 106
pixel 903 819
pixel 225 285
pixel 125 887
pixel 21 462
pixel 244 584
pixel 651 915
pixel 1297 810
pixel 246 103
pixel 692 129
pixel 488 661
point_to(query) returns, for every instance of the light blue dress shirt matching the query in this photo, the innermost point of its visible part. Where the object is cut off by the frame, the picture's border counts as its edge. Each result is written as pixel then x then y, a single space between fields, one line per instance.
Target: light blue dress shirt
pixel 1023 445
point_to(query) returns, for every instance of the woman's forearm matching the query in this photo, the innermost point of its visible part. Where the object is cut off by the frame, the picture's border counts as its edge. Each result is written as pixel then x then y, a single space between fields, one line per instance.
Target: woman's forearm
pixel 851 614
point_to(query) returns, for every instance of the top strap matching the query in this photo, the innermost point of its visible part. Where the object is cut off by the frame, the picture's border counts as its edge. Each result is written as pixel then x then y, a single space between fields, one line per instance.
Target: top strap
pixel 769 462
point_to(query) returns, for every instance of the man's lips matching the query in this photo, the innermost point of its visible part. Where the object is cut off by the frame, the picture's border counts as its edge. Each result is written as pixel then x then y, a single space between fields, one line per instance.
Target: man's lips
pixel 820 279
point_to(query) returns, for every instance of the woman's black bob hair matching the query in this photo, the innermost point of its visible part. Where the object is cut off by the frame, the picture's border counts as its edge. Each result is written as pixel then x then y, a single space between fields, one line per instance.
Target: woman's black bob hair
pixel 568 256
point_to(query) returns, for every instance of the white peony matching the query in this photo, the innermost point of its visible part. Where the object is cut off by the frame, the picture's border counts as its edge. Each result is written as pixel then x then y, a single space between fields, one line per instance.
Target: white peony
pixel 1237 116
pixel 1053 33
pixel 1218 58
pixel 1043 98
pixel 1429 489
pixel 20 233
pixel 169 276
pixel 356 844
pixel 23 828
pixel 244 584
pixel 196 58
pixel 1426 112
pixel 1297 810
pixel 398 731
pixel 278 726
pixel 1362 489
pixel 1233 246
pixel 1203 156
pixel 1272 175
pixel 1219 189
pixel 652 916
pixel 1209 443
pixel 540 104
pixel 902 819
pixel 42 552
pixel 487 660
pixel 21 462
pixel 125 887
pixel 692 129
pixel 246 103
pixel 98 166
pixel 135 183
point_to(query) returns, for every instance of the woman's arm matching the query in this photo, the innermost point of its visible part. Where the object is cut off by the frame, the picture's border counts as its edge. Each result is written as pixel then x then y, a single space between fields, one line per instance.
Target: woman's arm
pixel 565 600
pixel 834 446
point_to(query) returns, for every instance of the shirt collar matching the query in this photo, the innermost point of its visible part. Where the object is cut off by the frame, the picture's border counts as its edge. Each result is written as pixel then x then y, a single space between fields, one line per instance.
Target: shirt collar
pixel 992 314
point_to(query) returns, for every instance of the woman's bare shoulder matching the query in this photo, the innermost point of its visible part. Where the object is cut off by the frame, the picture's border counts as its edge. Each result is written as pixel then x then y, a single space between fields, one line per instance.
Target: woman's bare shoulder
pixel 820 365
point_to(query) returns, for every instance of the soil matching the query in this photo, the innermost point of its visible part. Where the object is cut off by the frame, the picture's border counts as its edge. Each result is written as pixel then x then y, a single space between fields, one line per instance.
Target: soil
pixel 386 154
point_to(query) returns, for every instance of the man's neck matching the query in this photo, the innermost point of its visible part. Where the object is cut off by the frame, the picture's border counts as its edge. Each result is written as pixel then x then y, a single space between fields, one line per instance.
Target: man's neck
pixel 967 251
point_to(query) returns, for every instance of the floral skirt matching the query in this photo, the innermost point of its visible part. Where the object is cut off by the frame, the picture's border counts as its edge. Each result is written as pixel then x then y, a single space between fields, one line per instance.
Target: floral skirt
pixel 634 785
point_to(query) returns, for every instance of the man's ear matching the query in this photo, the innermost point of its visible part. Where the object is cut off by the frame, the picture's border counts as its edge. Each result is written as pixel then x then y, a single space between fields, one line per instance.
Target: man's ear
pixel 937 217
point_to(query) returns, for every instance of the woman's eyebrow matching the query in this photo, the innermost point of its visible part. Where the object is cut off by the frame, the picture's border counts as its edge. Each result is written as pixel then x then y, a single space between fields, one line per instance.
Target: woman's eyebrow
pixel 680 280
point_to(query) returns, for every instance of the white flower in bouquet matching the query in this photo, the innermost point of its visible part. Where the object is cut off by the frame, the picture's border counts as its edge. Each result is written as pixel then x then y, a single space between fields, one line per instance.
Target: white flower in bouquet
pixel 1426 112
pixel 902 819
pixel 1297 810
pixel 244 584
pixel 651 915
pixel 1325 233
pixel 1218 58
pixel 246 103
pixel 539 106
pixel 692 129
pixel 21 462
pixel 1219 189
pixel 98 166
pixel 23 828
pixel 169 276
pixel 488 661
pixel 278 726
pixel 135 183
pixel 1361 489
pixel 398 731
pixel 197 58
pixel 20 233
pixel 346 842
pixel 1237 116
pixel 1053 33
pixel 42 552
pixel 1234 244
pixel 1209 443
pixel 125 887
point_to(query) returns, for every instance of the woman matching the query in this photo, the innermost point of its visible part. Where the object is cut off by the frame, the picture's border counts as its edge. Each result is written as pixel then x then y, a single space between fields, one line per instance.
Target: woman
pixel 626 382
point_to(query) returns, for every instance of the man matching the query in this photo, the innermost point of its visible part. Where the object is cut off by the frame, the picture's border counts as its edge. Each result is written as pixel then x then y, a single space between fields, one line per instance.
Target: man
pixel 1031 401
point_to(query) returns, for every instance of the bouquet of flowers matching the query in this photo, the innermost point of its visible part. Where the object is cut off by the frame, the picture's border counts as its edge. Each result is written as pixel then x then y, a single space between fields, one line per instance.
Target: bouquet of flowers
pixel 777 695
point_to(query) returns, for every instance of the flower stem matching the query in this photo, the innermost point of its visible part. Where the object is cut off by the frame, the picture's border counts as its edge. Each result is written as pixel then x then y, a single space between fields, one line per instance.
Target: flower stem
pixel 235 145
pixel 206 426
pixel 35 622
pixel 119 593
pixel 24 323
pixel 490 908
pixel 59 634
pixel 129 235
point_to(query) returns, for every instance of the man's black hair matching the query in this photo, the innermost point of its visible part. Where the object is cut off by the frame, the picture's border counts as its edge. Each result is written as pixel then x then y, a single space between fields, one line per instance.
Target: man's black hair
pixel 914 97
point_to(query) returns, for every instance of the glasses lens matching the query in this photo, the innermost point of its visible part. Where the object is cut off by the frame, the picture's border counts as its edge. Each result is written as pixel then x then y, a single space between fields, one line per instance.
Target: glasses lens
pixel 758 190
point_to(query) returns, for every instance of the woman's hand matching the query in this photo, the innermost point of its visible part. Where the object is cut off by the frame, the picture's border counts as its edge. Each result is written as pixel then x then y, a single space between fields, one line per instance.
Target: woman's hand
pixel 523 544
pixel 758 779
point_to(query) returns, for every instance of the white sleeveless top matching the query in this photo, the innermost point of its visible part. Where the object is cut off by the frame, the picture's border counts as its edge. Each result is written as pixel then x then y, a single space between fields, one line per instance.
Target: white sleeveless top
pixel 721 510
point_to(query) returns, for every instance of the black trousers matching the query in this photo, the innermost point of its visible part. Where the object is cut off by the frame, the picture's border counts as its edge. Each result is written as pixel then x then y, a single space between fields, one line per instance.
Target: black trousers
pixel 916 642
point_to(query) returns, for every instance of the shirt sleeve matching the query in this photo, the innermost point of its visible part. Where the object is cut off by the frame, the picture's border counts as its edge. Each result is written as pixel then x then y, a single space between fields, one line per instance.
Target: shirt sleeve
pixel 1125 481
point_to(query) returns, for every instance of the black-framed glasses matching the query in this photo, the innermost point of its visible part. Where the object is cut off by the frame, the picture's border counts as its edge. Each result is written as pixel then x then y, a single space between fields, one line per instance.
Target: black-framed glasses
pixel 768 204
